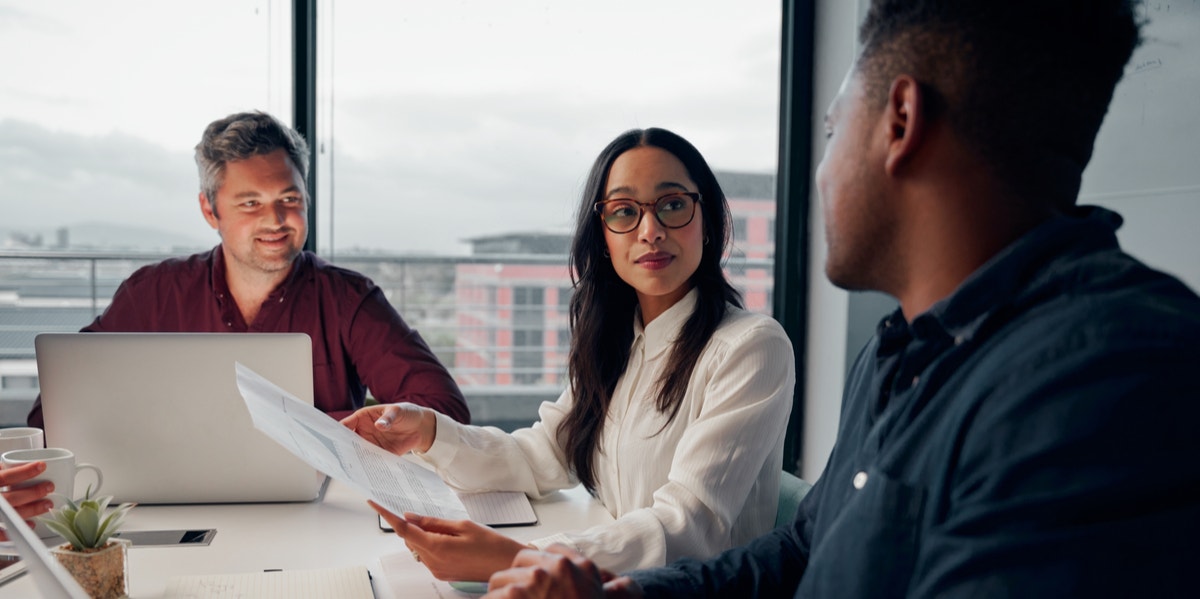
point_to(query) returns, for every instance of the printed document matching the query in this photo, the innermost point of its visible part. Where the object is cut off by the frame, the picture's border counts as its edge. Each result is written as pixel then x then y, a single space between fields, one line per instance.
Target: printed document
pixel 325 444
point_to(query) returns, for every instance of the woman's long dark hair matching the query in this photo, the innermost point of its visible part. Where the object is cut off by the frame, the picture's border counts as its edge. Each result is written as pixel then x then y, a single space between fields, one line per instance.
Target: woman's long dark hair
pixel 602 306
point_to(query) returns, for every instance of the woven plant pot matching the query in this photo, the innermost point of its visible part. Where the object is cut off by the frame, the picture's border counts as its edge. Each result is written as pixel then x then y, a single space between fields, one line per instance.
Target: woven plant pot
pixel 103 573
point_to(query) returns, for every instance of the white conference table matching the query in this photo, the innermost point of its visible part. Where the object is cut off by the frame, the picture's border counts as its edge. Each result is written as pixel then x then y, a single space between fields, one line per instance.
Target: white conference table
pixel 338 530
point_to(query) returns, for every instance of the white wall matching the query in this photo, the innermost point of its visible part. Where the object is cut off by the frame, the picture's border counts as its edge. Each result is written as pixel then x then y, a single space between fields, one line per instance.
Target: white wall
pixel 1146 164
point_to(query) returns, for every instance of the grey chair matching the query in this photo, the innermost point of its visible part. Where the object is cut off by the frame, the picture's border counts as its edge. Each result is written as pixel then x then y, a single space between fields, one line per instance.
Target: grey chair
pixel 791 490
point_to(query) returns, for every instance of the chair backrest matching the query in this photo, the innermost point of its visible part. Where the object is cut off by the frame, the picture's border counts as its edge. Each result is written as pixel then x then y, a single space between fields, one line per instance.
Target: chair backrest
pixel 791 490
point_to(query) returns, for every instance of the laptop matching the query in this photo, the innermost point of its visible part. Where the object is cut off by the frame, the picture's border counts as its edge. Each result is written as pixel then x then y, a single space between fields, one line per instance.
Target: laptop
pixel 161 415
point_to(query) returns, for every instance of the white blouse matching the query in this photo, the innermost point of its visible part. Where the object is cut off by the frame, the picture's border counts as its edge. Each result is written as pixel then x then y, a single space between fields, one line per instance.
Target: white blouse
pixel 707 482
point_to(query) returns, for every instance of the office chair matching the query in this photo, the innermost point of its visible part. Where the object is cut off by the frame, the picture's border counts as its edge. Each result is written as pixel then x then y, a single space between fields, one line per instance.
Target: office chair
pixel 791 490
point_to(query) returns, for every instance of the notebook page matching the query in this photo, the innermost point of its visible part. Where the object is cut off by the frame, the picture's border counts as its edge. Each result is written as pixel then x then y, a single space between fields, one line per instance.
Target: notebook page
pixel 351 582
pixel 499 508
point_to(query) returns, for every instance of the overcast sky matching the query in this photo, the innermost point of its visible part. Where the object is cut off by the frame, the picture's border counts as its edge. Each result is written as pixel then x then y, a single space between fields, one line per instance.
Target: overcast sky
pixel 449 119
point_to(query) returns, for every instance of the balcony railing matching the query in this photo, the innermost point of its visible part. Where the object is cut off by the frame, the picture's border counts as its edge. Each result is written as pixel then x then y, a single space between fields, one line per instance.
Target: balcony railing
pixel 498 321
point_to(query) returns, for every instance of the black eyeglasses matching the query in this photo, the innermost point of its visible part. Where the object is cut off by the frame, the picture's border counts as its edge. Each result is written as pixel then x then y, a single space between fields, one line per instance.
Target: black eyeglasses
pixel 673 211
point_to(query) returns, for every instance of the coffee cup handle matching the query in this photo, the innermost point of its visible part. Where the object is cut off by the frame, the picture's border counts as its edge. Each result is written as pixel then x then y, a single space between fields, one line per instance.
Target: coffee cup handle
pixel 94 468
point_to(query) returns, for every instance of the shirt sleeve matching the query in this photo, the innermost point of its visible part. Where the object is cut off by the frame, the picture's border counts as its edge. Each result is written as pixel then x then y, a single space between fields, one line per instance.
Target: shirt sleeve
pixel 396 364
pixel 746 402
pixel 769 566
pixel 529 460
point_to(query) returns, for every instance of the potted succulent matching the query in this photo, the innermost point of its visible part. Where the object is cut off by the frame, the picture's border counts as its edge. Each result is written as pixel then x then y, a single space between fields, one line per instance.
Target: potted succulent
pixel 97 561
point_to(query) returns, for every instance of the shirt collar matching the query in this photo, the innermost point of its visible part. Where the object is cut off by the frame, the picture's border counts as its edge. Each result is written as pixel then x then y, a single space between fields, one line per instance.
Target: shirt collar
pixel 220 286
pixel 1029 268
pixel 662 331
pixel 301 267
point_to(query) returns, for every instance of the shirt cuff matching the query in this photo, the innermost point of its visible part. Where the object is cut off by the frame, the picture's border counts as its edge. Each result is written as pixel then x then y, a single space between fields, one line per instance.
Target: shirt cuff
pixel 556 539
pixel 445 443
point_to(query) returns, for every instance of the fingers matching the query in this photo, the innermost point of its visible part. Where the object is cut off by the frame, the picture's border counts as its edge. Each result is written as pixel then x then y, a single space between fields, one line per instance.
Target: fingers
pixel 363 418
pixel 12 475
pixel 441 525
pixel 28 499
pixel 389 415
pixel 31 501
pixel 622 587
pixel 583 563
pixel 397 523
pixel 541 574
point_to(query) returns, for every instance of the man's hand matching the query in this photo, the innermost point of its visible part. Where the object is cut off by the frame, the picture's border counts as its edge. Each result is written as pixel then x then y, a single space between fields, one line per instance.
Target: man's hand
pixel 398 428
pixel 31 500
pixel 558 573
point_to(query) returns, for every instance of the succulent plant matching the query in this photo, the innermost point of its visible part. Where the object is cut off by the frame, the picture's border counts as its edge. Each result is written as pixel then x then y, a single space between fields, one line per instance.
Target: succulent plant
pixel 84 524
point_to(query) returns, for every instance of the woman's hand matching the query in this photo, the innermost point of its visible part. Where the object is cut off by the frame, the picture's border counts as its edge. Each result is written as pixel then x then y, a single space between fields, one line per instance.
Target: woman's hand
pixel 453 549
pixel 29 501
pixel 398 428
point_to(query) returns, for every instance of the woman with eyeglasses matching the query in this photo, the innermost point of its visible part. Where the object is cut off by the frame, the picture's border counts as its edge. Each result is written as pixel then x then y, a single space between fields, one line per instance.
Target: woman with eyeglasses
pixel 677 401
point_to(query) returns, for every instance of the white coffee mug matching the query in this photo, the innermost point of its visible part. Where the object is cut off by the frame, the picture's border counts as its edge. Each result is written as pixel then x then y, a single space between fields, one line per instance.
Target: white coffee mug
pixel 61 470
pixel 21 437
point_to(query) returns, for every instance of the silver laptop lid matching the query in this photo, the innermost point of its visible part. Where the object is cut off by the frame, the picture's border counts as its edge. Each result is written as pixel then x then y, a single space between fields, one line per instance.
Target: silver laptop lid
pixel 161 415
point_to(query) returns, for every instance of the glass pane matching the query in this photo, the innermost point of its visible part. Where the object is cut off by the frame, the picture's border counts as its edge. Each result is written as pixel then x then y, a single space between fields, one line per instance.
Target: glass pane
pixel 461 135
pixel 103 103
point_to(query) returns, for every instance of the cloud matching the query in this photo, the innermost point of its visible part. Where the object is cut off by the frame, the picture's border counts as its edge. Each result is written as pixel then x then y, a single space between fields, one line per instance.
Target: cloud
pixel 447 124
pixel 51 179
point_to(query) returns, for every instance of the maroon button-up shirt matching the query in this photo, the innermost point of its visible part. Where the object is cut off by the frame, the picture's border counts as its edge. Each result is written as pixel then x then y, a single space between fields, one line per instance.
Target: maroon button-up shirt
pixel 358 340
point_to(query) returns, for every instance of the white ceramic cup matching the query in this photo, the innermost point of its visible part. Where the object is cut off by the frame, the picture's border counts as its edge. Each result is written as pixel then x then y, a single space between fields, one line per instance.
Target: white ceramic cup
pixel 21 437
pixel 61 470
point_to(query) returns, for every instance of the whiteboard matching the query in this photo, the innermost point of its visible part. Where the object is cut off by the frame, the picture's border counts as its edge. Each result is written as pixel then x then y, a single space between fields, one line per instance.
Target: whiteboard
pixel 1146 164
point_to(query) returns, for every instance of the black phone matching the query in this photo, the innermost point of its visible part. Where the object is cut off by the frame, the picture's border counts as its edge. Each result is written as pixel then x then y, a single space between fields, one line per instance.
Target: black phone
pixel 142 538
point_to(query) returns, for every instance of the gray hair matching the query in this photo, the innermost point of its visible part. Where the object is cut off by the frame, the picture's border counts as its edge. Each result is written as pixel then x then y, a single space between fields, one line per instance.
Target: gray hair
pixel 241 136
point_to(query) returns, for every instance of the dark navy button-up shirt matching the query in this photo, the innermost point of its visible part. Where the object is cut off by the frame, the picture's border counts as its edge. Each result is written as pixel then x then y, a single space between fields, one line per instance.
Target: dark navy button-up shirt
pixel 1033 434
pixel 358 340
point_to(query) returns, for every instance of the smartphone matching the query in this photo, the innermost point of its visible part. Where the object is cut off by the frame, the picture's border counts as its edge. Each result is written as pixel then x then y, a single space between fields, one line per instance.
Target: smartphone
pixel 142 538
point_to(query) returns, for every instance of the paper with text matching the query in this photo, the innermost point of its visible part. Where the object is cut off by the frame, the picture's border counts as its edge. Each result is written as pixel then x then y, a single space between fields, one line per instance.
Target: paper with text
pixel 327 445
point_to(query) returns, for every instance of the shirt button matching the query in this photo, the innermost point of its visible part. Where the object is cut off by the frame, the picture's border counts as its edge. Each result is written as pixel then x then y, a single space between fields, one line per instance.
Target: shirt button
pixel 916 380
pixel 959 340
pixel 860 480
pixel 229 324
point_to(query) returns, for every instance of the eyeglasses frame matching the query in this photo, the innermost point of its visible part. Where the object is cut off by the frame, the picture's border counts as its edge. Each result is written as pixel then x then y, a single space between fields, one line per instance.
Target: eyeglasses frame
pixel 598 208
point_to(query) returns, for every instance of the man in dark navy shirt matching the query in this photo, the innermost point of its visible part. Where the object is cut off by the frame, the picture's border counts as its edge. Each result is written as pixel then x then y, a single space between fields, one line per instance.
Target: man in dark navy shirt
pixel 1024 424
pixel 259 279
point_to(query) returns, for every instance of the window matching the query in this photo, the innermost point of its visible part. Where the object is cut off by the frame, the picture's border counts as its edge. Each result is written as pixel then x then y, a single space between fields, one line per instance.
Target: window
pixel 469 133
pixel 103 103
pixel 452 146
pixel 528 322
pixel 741 228
pixel 103 110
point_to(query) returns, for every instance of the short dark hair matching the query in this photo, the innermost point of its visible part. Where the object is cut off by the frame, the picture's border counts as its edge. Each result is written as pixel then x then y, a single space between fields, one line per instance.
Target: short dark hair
pixel 1025 82
pixel 240 136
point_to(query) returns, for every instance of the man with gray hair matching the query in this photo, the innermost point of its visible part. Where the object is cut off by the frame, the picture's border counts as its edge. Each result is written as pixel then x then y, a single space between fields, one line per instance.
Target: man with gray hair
pixel 259 279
